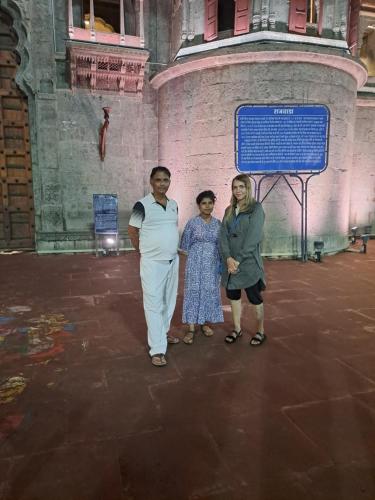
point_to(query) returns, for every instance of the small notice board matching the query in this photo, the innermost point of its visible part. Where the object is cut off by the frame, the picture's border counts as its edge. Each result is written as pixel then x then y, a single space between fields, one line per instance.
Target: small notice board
pixel 105 213
pixel 105 219
pixel 283 138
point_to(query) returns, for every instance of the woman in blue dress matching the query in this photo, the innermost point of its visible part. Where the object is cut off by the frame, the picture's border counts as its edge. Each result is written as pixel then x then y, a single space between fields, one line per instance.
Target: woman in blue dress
pixel 200 240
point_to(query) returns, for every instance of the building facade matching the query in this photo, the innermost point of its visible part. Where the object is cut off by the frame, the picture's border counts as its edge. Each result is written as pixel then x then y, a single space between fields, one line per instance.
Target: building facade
pixel 171 74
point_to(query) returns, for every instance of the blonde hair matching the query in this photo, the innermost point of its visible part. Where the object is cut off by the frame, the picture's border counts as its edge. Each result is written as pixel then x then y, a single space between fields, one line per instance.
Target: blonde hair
pixel 249 199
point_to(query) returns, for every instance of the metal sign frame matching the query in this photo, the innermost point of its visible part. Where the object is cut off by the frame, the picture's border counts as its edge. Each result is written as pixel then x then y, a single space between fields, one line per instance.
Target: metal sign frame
pixel 303 175
pixel 301 199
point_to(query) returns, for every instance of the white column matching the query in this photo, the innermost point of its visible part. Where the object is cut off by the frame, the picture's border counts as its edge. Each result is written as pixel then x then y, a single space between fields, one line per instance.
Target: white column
pixel 185 19
pixel 344 20
pixel 256 14
pixel 337 18
pixel 70 19
pixel 191 26
pixel 141 24
pixel 92 20
pixel 265 13
pixel 272 16
pixel 122 23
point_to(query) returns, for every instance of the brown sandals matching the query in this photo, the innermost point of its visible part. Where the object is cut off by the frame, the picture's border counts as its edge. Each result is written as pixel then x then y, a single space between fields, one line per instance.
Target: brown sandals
pixel 207 331
pixel 189 337
pixel 158 360
pixel 172 340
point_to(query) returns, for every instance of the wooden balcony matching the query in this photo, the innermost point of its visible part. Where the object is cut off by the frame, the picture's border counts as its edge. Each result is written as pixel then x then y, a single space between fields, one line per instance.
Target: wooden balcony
pixel 106 61
pixel 111 68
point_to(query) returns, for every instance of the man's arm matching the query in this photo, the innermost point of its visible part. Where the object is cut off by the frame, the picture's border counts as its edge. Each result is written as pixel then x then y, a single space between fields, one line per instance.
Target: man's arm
pixel 133 233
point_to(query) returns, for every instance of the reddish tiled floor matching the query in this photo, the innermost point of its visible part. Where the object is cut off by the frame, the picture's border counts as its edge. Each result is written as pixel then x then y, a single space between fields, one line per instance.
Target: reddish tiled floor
pixel 85 416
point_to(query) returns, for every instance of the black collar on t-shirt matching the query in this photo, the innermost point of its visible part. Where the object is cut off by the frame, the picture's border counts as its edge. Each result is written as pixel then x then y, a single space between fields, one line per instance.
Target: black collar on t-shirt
pixel 161 204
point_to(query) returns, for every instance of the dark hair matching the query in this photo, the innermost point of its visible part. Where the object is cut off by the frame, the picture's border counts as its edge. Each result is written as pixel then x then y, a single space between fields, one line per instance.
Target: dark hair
pixel 206 194
pixel 159 168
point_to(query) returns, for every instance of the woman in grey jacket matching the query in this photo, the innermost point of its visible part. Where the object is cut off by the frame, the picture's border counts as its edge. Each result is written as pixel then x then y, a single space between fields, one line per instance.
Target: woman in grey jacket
pixel 240 237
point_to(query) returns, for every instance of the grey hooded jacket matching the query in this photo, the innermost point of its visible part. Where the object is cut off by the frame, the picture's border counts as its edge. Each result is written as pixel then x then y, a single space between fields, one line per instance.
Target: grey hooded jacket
pixel 240 238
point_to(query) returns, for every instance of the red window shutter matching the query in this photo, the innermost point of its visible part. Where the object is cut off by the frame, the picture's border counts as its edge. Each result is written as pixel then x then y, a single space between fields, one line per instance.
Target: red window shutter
pixel 320 20
pixel 355 6
pixel 242 17
pixel 297 16
pixel 210 21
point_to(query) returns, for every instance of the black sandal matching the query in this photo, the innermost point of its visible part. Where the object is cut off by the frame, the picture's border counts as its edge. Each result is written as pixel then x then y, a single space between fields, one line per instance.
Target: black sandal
pixel 230 339
pixel 258 339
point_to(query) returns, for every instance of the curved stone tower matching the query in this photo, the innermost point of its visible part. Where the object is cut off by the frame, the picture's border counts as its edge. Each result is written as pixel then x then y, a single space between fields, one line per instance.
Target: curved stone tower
pixel 199 93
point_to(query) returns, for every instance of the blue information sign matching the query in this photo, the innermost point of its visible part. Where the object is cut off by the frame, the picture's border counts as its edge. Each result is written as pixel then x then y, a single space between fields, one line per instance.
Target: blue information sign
pixel 283 138
pixel 105 213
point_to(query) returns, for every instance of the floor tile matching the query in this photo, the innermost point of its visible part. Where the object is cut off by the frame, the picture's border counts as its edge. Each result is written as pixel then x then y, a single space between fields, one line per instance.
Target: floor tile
pixel 343 428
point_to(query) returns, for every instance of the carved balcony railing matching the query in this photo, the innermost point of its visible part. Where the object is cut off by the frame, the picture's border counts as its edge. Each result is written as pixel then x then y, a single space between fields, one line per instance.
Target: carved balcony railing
pixel 106 68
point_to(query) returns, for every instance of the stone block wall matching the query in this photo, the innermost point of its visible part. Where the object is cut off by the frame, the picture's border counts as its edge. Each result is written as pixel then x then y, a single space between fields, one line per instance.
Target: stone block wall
pixel 188 125
pixel 362 199
pixel 196 141
pixel 70 167
pixel 64 130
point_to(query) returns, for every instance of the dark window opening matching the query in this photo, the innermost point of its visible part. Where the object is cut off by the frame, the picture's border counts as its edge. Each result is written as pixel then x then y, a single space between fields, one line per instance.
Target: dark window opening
pixel 312 13
pixel 130 24
pixel 226 15
pixel 107 15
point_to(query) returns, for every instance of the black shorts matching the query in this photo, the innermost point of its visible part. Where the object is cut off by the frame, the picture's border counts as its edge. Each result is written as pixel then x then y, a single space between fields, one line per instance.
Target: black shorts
pixel 254 293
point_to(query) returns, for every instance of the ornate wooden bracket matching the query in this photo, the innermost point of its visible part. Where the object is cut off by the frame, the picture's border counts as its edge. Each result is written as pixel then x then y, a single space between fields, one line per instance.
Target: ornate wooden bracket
pixel 103 133
pixel 106 68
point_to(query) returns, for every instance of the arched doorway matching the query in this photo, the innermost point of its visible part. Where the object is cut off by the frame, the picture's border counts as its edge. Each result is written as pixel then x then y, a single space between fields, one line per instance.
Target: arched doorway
pixel 16 193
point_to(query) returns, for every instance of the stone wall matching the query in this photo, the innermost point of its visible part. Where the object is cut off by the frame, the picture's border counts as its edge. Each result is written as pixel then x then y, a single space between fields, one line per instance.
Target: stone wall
pixel 70 169
pixel 67 169
pixel 196 141
pixel 188 127
pixel 362 200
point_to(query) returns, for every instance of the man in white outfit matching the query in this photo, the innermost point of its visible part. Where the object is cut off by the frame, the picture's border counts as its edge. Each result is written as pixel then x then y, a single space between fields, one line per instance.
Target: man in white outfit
pixel 154 233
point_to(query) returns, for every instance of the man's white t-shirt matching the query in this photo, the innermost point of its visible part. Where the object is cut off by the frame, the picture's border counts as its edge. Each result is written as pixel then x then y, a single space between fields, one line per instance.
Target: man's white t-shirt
pixel 158 228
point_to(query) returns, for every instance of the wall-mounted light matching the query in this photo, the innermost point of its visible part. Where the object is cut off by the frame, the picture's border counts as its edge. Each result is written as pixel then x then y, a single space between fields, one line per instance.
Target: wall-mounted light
pixel 109 244
pixel 318 248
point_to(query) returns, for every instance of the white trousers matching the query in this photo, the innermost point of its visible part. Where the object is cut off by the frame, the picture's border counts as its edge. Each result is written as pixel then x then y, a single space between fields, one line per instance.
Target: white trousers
pixel 159 285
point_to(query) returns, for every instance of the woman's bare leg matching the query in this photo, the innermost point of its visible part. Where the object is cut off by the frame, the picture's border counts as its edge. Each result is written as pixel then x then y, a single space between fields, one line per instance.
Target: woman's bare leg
pixel 236 314
pixel 259 314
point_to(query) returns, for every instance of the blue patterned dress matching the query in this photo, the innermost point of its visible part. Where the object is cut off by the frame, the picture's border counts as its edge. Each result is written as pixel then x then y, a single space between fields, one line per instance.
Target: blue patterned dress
pixel 202 300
